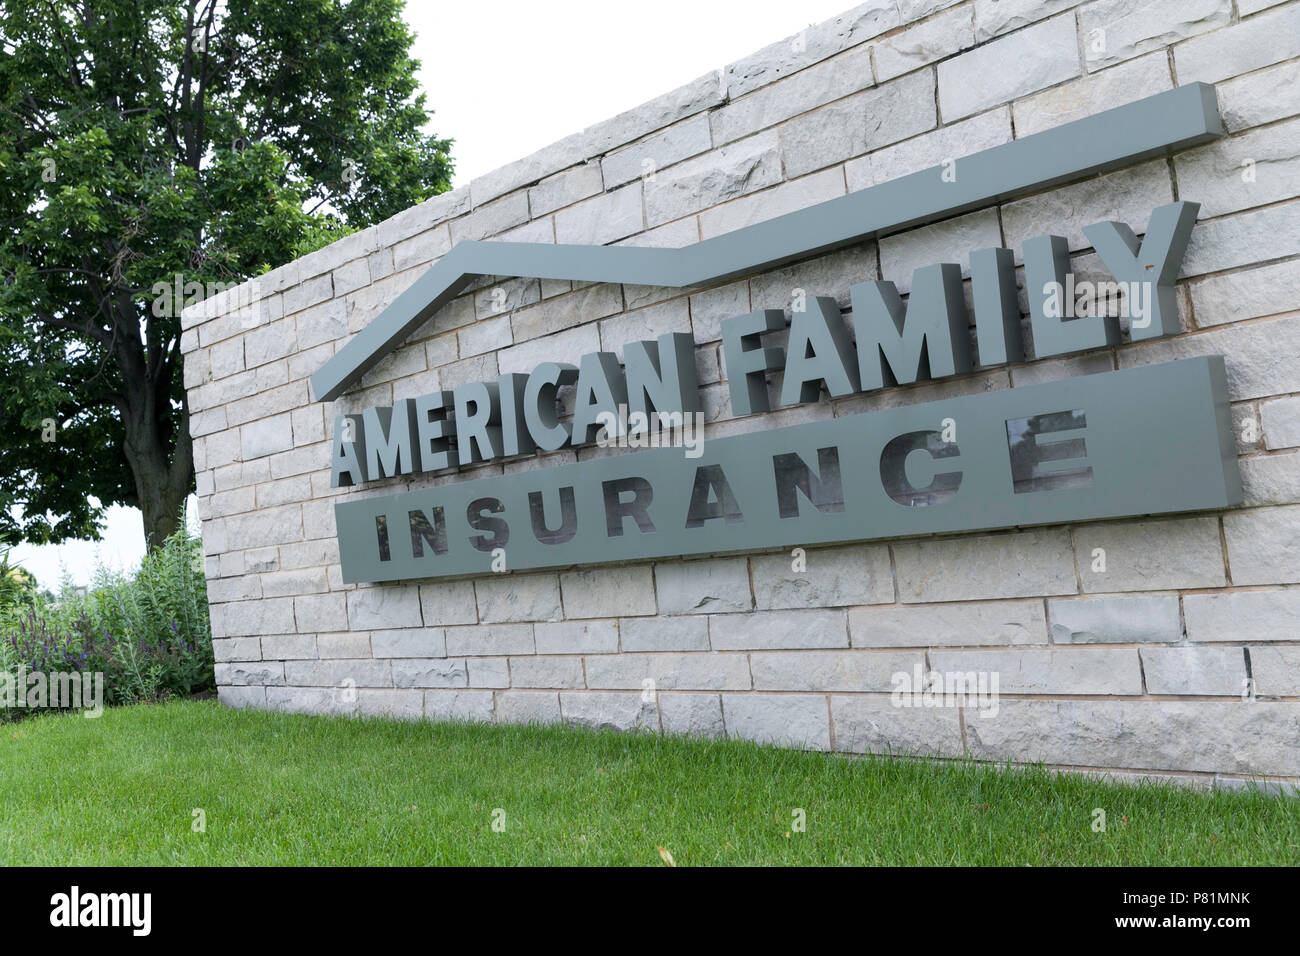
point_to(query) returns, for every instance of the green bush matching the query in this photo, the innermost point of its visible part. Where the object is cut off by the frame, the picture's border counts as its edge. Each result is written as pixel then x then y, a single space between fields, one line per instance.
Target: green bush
pixel 147 632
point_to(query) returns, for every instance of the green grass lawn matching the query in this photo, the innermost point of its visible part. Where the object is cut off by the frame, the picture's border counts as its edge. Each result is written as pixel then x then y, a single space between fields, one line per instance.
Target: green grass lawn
pixel 288 789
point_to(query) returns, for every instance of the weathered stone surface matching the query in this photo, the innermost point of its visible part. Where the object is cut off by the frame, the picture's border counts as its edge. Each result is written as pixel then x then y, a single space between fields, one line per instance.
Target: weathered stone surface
pixel 1150 555
pixel 947 143
pixel 696 715
pixel 576 637
pixel 1256 355
pixel 320 612
pixel 647 157
pixel 601 219
pixel 265 616
pixel 565 311
pixel 528 707
pixel 830 275
pixel 1280 421
pixel 694 97
pixel 546 672
pixel 703 587
pixel 668 672
pixel 236 649
pixel 725 173
pixel 242 698
pixel 404 704
pixel 264 673
pixel 859 123
pixel 830 670
pixel 459 705
pixel 1243 616
pixel 1114 30
pixel 644 325
pixel 810 46
pixel 1271 479
pixel 1114 620
pixel 1127 195
pixel 448 602
pixel 787 720
pixel 950 241
pixel 1276 671
pixel 1260 97
pixel 1254 168
pixel 1203 671
pixel 312 700
pixel 282 647
pixel 564 189
pixel 831 577
pixel 876 725
pixel 1246 46
pixel 518 597
pixel 826 81
pixel 790 196
pixel 710 308
pixel 664 634
pixel 1021 564
pixel 778 629
pixel 1249 294
pixel 1091 94
pixel 608 592
pixel 995 17
pixel 917 46
pixel 1264 545
pixel 610 711
pixel 1044 54
pixel 384 607
pixel 1081 670
pixel 489 640
pixel 1229 737
pixel 949 625
pixel 338 673
pixel 428 672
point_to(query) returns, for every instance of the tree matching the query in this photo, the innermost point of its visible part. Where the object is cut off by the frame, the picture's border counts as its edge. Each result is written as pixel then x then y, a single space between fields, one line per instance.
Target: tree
pixel 142 142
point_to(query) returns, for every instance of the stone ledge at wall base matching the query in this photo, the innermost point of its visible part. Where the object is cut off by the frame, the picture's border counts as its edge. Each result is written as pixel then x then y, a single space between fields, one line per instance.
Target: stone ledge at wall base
pixel 1166 647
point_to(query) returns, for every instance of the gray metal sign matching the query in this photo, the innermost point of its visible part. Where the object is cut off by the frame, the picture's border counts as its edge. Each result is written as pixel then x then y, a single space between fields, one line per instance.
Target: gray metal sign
pixel 1149 440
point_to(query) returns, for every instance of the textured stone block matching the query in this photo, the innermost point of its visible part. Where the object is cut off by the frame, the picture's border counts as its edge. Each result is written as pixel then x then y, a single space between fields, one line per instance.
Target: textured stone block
pixel 778 629
pixel 1264 545
pixel 1276 671
pixel 664 634
pixel 1243 616
pixel 949 625
pixel 668 672
pixel 1257 42
pixel 242 698
pixel 876 725
pixel 421 642
pixel 1260 97
pixel 1203 671
pixel 1082 670
pixel 282 647
pixel 395 606
pixel 1094 93
pixel 1249 294
pixel 831 577
pixel 1150 555
pixel 1126 620
pixel 950 241
pixel 518 597
pixel 787 720
pixel 608 592
pixel 340 674
pixel 1254 168
pixel 1205 736
pixel 576 637
pixel 1114 30
pixel 948 143
pixel 831 670
pixel 475 706
pixel 859 123
pixel 528 707
pixel 609 711
pixel 546 672
pixel 490 640
pixel 1020 564
pixel 703 587
pixel 733 170
pixel 601 219
pixel 264 673
pixel 1280 421
pixel 790 196
pixel 935 39
pixel 312 700
pixel 656 152
pixel 696 715
pixel 449 602
pixel 402 704
pixel 995 17
pixel 1044 54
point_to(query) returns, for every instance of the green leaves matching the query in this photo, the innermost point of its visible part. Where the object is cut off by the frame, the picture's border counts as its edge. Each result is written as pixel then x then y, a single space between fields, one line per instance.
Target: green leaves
pixel 141 141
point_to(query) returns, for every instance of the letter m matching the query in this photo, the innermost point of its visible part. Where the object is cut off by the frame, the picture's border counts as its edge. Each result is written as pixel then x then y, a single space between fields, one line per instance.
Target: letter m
pixel 926 338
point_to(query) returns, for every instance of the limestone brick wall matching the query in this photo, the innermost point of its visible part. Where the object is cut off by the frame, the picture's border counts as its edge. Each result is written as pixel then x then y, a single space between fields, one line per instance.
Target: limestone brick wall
pixel 1181 658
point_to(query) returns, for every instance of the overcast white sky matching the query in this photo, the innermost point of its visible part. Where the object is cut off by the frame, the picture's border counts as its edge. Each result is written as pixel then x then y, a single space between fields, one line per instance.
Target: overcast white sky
pixel 507 78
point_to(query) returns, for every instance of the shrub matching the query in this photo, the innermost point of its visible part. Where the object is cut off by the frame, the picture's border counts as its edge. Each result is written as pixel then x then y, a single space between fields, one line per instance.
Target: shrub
pixel 147 632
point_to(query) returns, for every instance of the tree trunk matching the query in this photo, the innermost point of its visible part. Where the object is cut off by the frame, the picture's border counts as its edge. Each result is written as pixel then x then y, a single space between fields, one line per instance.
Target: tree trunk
pixel 162 477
